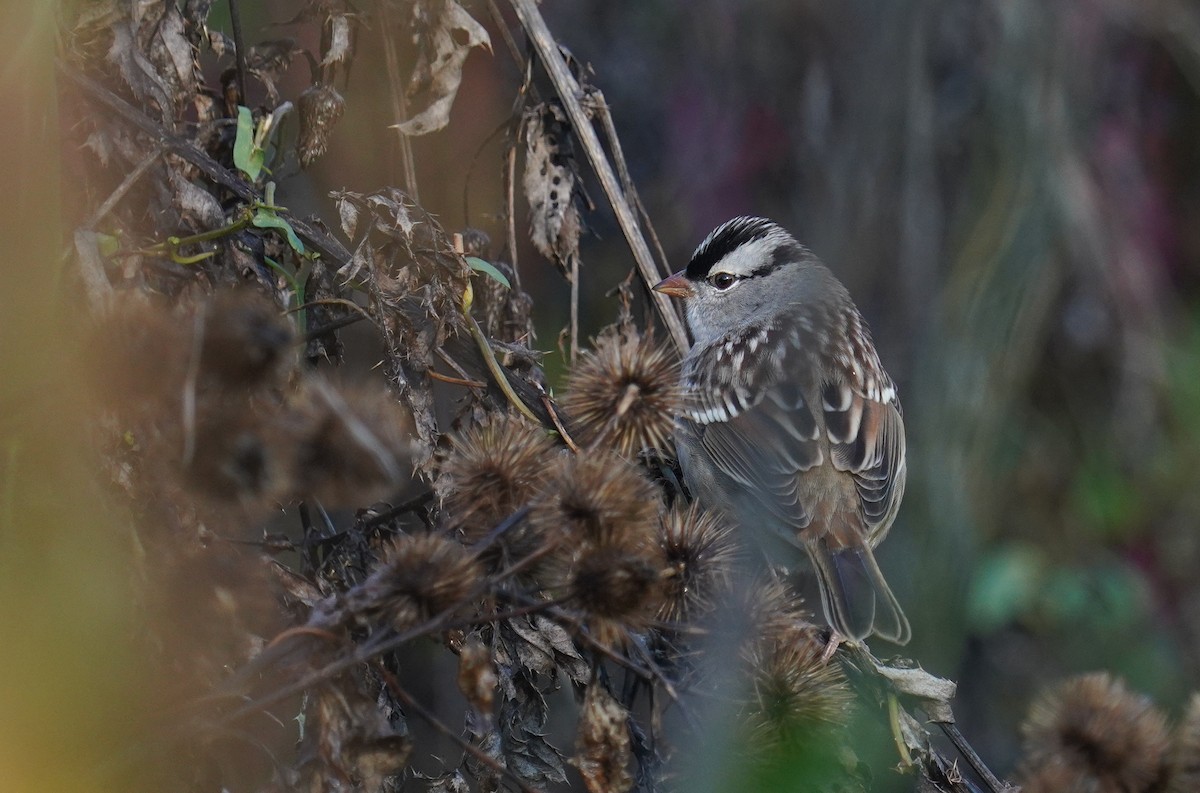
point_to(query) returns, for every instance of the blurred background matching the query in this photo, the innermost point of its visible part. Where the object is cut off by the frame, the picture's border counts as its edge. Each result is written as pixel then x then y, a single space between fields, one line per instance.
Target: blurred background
pixel 1009 188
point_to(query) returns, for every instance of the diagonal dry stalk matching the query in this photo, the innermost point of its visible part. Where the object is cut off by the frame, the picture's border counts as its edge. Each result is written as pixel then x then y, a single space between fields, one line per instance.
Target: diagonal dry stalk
pixel 570 94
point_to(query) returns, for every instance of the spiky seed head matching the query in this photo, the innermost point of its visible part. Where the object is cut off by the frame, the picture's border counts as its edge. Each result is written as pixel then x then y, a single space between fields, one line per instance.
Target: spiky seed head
pixel 1093 726
pixel 597 498
pixel 136 354
pixel 237 456
pixel 490 471
pixel 774 608
pixel 247 342
pixel 354 444
pixel 1185 750
pixel 616 588
pixel 699 551
pixel 624 394
pixel 796 693
pixel 419 577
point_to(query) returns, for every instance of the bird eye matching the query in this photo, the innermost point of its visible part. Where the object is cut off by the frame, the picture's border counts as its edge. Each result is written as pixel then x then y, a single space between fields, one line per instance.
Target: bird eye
pixel 723 280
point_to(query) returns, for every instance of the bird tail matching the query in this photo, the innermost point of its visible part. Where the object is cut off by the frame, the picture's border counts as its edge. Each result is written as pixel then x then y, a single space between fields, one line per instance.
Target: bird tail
pixel 854 594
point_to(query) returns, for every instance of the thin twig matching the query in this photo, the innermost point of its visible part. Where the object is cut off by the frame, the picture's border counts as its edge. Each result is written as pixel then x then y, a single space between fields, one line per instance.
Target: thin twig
pixel 399 101
pixel 489 358
pixel 411 703
pixel 235 21
pixel 972 757
pixel 445 378
pixel 116 195
pixel 569 92
pixel 558 425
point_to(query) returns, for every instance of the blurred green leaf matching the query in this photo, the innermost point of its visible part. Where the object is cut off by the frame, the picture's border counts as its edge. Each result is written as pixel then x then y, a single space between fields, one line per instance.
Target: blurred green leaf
pixel 1005 586
pixel 1107 497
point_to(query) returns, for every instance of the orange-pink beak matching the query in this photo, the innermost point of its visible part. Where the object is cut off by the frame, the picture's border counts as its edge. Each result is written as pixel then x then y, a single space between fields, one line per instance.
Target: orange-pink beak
pixel 676 285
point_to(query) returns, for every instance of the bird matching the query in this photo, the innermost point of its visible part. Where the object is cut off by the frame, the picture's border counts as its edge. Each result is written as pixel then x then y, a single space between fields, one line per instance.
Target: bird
pixel 790 423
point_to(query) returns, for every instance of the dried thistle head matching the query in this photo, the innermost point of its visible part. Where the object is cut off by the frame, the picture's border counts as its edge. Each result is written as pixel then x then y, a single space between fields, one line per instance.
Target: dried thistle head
pixel 136 354
pixel 624 394
pixel 796 693
pixel 247 342
pixel 597 498
pixel 774 608
pixel 617 589
pixel 237 456
pixel 352 444
pixel 419 577
pixel 490 471
pixel 699 550
pixel 1185 750
pixel 1095 728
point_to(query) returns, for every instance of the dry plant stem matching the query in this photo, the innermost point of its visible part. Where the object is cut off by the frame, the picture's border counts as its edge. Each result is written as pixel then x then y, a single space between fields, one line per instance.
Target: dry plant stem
pixel 399 102
pixel 489 358
pixel 116 195
pixel 973 759
pixel 445 378
pixel 569 92
pixel 411 703
pixel 558 425
pixel 324 244
pixel 574 308
pixel 235 21
pixel 600 105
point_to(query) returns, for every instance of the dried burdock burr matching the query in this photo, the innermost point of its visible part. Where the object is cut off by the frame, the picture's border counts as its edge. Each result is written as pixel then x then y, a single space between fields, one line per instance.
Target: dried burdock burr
pixel 598 498
pixel 624 393
pixel 489 472
pixel 419 577
pixel 247 341
pixel 617 589
pixel 236 456
pixel 353 444
pixel 1094 728
pixel 137 354
pixel 699 551
pixel 1185 751
pixel 797 693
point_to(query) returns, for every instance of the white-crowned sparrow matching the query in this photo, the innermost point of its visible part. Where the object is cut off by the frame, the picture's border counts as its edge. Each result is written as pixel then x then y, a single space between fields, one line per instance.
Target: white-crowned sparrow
pixel 791 424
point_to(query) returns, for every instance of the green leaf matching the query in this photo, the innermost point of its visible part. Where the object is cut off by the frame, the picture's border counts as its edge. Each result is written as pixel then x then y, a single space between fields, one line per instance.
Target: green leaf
pixel 267 219
pixel 246 156
pixel 1005 586
pixel 488 269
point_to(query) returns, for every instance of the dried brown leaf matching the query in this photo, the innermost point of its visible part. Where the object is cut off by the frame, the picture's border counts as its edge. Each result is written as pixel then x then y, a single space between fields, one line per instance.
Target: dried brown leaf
pixel 551 186
pixel 602 745
pixel 450 36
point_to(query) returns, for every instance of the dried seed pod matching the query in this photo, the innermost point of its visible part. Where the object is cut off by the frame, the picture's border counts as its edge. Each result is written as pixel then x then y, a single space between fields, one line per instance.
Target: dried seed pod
pixel 600 499
pixel 419 577
pixel 551 186
pixel 1185 751
pixel 247 342
pixel 353 444
pixel 1095 728
pixel 602 747
pixel 491 471
pixel 699 551
pixel 618 589
pixel 796 692
pixel 774 608
pixel 321 107
pixel 624 394
pixel 477 678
